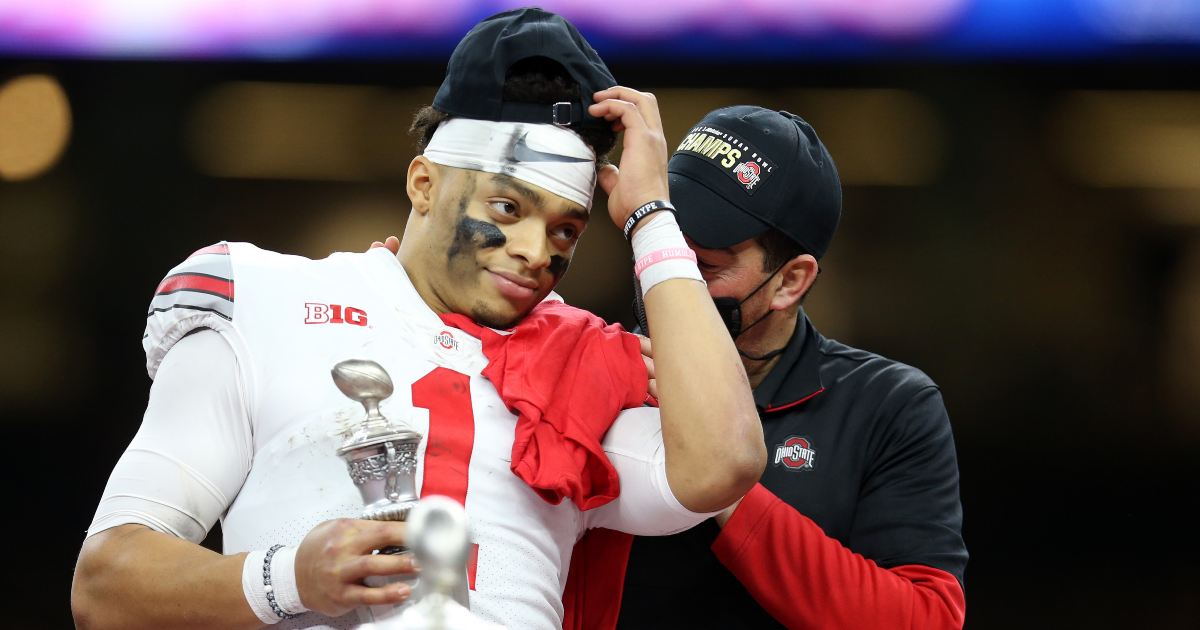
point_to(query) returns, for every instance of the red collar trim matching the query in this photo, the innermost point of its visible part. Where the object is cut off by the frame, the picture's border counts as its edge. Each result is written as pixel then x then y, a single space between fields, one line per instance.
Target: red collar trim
pixel 770 408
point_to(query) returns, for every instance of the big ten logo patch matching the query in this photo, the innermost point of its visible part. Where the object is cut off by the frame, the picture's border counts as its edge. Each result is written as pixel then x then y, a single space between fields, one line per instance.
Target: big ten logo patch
pixel 334 314
pixel 795 454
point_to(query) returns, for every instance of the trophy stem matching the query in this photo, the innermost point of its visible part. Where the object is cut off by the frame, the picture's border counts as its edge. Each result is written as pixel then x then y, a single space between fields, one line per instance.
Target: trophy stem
pixel 381 458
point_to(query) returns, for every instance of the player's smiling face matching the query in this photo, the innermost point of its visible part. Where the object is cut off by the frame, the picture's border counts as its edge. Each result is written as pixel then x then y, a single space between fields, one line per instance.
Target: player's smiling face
pixel 495 246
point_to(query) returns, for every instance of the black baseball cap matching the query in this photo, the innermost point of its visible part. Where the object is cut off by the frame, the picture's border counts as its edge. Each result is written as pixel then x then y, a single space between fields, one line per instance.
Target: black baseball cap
pixel 744 170
pixel 474 84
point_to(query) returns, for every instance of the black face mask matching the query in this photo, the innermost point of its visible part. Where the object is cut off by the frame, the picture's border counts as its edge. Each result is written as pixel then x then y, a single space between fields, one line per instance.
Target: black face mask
pixel 730 310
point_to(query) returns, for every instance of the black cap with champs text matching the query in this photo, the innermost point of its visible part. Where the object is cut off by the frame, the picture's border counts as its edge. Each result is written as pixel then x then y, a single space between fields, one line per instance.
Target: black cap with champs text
pixel 474 84
pixel 744 170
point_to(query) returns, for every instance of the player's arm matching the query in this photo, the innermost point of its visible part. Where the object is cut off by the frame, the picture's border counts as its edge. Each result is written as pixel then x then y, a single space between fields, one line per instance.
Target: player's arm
pixel 142 566
pixel 132 577
pixel 906 555
pixel 647 505
pixel 714 445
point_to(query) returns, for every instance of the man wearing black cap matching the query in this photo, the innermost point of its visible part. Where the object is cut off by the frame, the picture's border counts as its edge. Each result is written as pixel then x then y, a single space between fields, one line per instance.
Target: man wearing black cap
pixel 856 521
pixel 243 422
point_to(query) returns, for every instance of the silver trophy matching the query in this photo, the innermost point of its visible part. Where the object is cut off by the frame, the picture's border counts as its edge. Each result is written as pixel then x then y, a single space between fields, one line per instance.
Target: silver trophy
pixel 382 458
pixel 437 529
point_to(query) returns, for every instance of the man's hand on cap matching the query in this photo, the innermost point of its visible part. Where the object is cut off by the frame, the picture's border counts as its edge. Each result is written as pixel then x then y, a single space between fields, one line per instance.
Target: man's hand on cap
pixel 391 243
pixel 642 177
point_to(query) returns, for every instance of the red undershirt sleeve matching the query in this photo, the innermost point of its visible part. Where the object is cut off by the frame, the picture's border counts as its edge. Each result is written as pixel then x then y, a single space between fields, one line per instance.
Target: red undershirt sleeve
pixel 808 580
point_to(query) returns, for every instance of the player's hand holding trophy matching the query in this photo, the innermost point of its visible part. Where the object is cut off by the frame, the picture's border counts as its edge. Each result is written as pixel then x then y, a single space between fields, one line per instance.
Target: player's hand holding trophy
pixel 381 457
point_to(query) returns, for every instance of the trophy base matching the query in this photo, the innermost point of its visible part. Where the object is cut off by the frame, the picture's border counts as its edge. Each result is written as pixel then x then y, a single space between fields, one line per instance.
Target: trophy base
pixel 371 614
pixel 440 612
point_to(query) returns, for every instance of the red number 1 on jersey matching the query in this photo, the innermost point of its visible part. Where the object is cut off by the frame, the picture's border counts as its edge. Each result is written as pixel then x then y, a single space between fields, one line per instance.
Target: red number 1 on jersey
pixel 447 396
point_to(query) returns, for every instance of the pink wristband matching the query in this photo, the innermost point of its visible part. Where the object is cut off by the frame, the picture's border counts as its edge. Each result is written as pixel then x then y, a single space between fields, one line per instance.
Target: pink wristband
pixel 673 253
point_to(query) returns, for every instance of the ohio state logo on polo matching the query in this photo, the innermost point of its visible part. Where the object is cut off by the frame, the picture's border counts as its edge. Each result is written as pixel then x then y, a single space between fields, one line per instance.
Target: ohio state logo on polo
pixel 795 454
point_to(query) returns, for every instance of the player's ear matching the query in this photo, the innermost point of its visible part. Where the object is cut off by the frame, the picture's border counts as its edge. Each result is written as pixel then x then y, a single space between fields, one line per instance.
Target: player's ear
pixel 423 177
pixel 796 277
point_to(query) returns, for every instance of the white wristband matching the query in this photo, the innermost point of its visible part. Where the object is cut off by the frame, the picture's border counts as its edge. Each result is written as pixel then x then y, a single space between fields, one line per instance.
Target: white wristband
pixel 283 577
pixel 659 234
pixel 254 588
pixel 283 584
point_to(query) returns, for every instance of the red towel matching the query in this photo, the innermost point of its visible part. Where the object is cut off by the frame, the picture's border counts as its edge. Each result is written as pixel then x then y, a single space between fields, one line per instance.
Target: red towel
pixel 567 375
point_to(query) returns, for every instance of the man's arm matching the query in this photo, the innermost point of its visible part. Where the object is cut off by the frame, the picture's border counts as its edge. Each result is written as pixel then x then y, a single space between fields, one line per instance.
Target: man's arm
pixel 908 520
pixel 715 451
pixel 185 460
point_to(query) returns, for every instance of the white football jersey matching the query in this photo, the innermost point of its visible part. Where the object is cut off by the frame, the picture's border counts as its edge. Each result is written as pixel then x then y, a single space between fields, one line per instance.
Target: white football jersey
pixel 288 320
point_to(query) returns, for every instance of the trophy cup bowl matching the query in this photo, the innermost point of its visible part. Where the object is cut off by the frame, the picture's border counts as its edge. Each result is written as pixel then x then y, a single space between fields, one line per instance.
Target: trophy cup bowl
pixel 381 458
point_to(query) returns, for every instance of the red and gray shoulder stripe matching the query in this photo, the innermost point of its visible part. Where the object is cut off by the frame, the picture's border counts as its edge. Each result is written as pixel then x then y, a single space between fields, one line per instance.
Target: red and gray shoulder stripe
pixel 203 282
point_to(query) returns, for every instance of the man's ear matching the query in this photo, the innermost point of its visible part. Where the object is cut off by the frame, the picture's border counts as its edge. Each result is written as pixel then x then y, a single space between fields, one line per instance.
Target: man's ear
pixel 796 277
pixel 423 177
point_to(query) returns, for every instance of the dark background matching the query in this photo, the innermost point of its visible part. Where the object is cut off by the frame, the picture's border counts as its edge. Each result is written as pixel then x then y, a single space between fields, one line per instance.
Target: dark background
pixel 1057 309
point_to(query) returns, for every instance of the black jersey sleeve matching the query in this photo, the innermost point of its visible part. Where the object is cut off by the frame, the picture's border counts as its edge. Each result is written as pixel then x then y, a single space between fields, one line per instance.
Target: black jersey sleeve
pixel 908 509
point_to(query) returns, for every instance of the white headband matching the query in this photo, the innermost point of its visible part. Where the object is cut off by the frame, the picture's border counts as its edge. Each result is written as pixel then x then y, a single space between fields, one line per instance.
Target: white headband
pixel 547 156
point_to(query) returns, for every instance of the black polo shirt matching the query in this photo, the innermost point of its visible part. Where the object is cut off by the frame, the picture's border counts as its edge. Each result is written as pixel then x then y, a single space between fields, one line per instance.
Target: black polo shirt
pixel 859 444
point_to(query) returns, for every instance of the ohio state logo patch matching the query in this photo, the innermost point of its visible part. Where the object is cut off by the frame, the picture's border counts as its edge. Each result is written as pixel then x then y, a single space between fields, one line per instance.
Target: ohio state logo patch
pixel 446 341
pixel 795 454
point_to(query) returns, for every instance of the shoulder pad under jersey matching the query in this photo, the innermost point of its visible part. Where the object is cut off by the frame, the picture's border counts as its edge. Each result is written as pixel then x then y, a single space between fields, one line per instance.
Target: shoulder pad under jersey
pixel 198 293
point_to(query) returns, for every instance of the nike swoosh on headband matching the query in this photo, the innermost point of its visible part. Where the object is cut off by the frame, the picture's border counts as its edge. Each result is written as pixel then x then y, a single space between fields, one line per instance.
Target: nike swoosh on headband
pixel 523 153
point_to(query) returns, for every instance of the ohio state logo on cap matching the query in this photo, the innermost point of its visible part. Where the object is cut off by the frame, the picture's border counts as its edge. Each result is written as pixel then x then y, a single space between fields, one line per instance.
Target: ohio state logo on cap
pixel 730 153
pixel 795 454
pixel 747 173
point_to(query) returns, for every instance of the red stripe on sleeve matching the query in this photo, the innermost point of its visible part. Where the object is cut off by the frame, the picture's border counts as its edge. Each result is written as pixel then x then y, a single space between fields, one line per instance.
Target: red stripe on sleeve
pixel 219 248
pixel 806 579
pixel 196 283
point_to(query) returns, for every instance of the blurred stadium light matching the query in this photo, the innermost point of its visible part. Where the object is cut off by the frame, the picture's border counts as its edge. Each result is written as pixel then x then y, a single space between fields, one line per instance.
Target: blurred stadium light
pixel 748 32
pixel 876 137
pixel 355 133
pixel 1132 139
pixel 305 131
pixel 35 124
pixel 38 340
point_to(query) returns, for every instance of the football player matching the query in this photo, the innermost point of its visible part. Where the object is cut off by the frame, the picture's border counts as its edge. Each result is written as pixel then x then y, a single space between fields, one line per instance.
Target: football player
pixel 531 411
